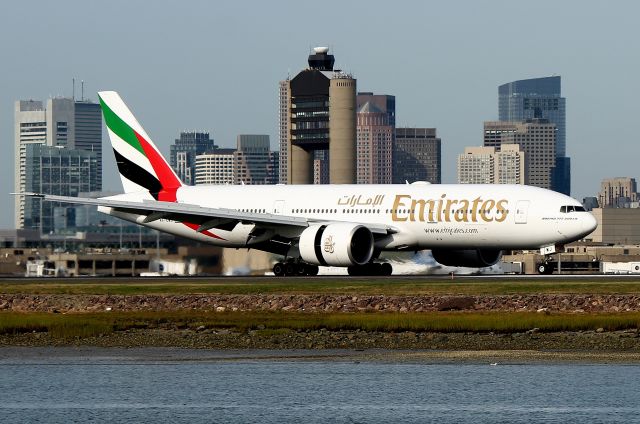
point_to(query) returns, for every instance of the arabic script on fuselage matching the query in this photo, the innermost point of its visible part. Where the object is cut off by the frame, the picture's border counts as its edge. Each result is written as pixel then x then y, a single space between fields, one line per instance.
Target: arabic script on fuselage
pixel 360 200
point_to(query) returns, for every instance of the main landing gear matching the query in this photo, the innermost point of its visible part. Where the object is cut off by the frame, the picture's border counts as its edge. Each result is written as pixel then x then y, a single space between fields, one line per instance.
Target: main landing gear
pixel 294 269
pixel 300 269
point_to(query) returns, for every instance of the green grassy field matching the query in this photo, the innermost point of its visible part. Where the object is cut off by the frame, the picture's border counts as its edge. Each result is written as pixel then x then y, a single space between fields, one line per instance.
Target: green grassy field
pixel 66 326
pixel 351 286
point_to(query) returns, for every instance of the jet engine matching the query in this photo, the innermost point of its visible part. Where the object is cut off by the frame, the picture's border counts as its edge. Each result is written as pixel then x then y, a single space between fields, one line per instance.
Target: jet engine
pixel 336 244
pixel 472 258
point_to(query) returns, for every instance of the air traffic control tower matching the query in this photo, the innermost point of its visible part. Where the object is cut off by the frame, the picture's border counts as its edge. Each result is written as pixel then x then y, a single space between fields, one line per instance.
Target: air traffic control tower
pixel 318 113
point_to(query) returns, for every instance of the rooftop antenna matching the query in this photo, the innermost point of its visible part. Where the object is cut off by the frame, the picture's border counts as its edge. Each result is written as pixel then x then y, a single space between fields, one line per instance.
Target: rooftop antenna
pixel 73 90
pixel 82 90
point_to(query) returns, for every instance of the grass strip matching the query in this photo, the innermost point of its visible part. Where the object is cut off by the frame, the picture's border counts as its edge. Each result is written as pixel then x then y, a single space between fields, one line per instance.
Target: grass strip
pixel 347 286
pixel 69 326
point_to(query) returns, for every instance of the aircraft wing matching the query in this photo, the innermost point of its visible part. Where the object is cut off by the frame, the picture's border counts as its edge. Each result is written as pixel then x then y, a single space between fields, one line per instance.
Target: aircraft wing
pixel 206 217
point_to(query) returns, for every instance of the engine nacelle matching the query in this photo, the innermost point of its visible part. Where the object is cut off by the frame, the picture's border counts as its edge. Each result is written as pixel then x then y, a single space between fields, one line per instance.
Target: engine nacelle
pixel 472 258
pixel 336 244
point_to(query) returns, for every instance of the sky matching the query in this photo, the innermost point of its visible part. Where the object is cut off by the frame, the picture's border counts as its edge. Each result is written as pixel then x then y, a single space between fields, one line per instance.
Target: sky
pixel 215 66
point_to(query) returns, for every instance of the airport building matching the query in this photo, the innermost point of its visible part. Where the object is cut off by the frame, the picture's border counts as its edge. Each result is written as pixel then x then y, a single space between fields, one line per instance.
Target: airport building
pixel 536 139
pixel 616 225
pixel 417 156
pixel 182 155
pixel 484 165
pixel 540 98
pixel 64 124
pixel 318 114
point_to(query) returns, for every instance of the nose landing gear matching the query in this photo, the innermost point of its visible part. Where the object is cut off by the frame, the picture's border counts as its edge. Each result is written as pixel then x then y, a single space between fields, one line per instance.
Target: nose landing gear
pixel 545 268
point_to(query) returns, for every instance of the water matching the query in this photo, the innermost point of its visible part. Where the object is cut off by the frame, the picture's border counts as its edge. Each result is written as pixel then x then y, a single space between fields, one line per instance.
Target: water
pixel 47 386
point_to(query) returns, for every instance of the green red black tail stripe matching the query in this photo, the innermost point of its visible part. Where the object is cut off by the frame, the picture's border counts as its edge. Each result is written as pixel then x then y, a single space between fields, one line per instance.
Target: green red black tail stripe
pixel 145 160
pixel 138 175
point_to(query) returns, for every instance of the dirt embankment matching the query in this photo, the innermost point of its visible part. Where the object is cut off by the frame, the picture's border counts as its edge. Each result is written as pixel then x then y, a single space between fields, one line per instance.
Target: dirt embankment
pixel 627 342
pixel 577 303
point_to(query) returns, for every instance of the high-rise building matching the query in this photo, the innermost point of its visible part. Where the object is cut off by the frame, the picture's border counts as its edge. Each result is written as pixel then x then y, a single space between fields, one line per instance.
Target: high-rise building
pixel 485 165
pixel 284 133
pixel 476 165
pixel 536 138
pixel 540 98
pixel 64 123
pixel 383 102
pixel 251 163
pixel 375 143
pixel 60 171
pixel 273 171
pixel 215 167
pixel 618 192
pixel 182 154
pixel 88 131
pixel 318 113
pixel 253 159
pixel 416 156
pixel 511 165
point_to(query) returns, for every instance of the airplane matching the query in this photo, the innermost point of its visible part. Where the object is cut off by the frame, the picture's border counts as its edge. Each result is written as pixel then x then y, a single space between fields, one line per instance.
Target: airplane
pixel 349 226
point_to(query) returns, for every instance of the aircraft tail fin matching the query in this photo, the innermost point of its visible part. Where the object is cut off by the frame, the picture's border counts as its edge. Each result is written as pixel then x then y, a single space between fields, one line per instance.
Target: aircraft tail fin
pixel 140 163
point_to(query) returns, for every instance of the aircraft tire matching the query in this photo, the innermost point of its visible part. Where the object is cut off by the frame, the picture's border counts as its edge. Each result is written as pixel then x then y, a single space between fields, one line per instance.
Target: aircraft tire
pixel 354 271
pixel 289 269
pixel 278 269
pixel 386 269
pixel 545 268
pixel 312 270
pixel 302 269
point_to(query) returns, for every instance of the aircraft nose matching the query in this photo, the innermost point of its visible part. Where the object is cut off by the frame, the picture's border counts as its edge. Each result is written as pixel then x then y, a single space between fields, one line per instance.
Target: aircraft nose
pixel 589 223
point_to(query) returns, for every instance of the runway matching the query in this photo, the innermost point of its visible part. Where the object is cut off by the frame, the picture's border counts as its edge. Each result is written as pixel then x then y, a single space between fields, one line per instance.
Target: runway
pixel 324 278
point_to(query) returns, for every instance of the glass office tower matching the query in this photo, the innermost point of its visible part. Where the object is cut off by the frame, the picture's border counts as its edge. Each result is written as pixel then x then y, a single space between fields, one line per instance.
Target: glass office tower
pixel 539 98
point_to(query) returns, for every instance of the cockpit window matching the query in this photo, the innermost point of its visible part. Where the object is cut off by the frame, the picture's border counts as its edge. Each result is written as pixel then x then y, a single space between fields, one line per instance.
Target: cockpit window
pixel 571 208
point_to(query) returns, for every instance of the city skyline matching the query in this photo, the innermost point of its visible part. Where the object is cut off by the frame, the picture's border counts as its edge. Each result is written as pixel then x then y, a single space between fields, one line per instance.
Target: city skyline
pixel 437 63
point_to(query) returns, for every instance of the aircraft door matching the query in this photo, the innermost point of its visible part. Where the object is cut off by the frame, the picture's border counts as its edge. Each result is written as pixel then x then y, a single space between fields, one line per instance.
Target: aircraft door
pixel 522 210
pixel 278 207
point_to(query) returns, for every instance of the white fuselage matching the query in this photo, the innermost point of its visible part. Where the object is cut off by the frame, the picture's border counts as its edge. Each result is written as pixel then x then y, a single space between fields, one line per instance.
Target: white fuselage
pixel 422 216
